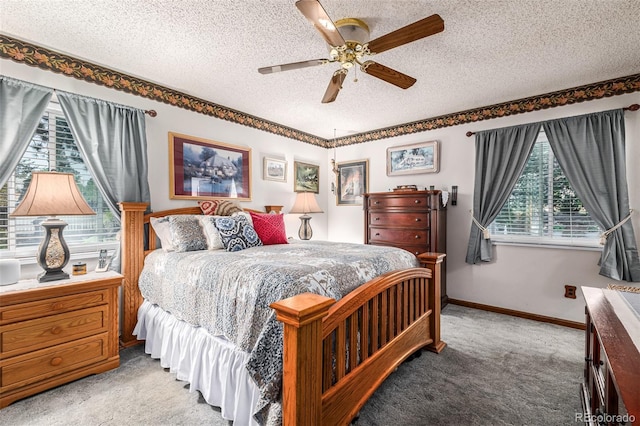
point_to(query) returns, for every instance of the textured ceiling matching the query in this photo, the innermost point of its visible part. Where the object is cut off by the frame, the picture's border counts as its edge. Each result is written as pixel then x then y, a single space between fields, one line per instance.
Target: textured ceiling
pixel 491 51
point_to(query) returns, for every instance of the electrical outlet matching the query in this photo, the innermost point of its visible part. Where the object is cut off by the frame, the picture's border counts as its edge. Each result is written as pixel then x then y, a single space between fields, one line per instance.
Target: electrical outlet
pixel 570 291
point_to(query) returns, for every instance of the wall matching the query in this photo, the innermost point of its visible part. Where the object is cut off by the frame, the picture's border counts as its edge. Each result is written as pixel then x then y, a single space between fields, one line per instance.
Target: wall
pixel 521 278
pixel 173 119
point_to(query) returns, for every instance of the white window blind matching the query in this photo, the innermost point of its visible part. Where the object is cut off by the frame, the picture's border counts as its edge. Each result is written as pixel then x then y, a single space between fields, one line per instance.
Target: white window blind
pixel 543 207
pixel 53 148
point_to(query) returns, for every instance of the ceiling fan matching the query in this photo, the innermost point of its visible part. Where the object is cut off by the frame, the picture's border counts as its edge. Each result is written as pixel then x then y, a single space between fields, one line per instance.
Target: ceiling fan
pixel 349 44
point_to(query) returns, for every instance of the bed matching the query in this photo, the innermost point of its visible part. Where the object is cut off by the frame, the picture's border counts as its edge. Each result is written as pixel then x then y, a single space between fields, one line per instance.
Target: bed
pixel 310 354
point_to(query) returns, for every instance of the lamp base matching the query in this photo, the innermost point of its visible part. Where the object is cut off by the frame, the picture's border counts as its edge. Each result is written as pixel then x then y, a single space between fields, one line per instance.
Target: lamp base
pixel 53 253
pixel 47 276
pixel 305 232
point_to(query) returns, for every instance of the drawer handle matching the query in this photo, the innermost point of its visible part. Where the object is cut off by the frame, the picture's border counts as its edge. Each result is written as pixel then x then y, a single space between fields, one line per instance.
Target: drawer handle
pixel 417 201
pixel 56 361
pixel 376 202
pixel 377 234
pixel 417 237
pixel 418 219
pixel 416 253
pixel 56 330
pixel 377 218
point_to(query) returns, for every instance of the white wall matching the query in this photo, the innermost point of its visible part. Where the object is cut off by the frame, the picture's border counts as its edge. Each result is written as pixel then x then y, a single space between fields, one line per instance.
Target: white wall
pixel 173 119
pixel 521 278
pixel 524 279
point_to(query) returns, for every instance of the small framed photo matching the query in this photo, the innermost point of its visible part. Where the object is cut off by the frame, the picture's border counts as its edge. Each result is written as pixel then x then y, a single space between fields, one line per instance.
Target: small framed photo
pixel 306 177
pixel 353 182
pixel 274 169
pixel 202 169
pixel 413 159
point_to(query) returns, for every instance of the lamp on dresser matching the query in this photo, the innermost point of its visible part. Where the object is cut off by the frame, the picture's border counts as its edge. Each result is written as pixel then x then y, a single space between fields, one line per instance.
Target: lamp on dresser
pixel 305 203
pixel 52 194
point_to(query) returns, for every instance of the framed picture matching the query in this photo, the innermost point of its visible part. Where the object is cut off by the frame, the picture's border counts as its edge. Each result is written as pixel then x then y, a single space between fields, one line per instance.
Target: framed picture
pixel 274 169
pixel 353 182
pixel 202 169
pixel 421 157
pixel 306 177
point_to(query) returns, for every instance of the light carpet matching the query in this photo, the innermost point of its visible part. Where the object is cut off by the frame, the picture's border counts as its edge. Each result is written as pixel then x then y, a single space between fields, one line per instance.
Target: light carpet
pixel 495 370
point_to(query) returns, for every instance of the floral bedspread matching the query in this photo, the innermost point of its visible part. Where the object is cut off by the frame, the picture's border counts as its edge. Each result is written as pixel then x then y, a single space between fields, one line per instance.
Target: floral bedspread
pixel 229 293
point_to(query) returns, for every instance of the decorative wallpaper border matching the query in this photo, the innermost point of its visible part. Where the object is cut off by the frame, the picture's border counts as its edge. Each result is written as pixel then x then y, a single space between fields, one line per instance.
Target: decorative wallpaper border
pixel 36 56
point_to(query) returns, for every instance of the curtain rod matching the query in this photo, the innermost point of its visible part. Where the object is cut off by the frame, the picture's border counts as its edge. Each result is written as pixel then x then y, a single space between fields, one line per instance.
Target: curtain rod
pixel 632 107
pixel 150 112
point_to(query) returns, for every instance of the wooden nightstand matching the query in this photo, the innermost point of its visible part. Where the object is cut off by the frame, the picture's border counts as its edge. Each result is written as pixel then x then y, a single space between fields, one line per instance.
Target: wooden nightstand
pixel 56 332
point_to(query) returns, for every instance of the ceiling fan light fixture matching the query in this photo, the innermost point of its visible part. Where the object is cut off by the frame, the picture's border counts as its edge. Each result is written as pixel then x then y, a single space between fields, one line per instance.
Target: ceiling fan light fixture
pixel 353 30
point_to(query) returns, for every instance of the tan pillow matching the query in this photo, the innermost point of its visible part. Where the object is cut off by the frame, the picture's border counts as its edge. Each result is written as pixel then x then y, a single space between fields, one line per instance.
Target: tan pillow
pixel 219 207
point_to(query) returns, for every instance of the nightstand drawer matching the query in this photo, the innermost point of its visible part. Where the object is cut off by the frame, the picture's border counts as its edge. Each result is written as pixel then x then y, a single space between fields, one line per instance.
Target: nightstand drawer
pixel 36 334
pixel 399 236
pixel 32 368
pixel 408 220
pixel 55 305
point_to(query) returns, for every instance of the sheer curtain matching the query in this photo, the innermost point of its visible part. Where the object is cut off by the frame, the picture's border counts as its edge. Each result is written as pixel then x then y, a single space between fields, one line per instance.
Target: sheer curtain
pixel 591 151
pixel 501 155
pixel 113 144
pixel 22 105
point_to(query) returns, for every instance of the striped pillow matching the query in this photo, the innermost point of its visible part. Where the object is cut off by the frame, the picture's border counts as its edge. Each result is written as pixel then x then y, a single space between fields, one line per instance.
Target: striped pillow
pixel 219 207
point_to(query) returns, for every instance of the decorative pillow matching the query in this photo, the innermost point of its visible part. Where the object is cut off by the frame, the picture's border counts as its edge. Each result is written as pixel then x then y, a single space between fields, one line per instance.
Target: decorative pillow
pixel 214 242
pixel 270 228
pixel 187 233
pixel 219 207
pixel 237 233
pixel 161 227
pixel 246 215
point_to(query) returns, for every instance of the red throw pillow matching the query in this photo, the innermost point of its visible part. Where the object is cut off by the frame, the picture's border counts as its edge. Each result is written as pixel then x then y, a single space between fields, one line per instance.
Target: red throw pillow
pixel 270 228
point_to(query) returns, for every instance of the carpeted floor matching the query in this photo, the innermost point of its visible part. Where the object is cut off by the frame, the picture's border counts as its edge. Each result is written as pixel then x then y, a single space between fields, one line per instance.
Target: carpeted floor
pixel 496 370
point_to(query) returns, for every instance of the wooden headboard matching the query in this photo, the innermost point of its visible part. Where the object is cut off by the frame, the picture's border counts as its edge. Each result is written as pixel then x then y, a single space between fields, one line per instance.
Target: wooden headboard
pixel 134 248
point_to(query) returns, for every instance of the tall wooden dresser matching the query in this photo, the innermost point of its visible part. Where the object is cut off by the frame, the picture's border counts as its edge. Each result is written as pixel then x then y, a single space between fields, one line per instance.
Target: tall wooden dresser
pixel 413 220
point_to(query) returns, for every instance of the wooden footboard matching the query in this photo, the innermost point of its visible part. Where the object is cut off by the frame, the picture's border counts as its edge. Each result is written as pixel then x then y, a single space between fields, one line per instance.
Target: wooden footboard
pixel 337 354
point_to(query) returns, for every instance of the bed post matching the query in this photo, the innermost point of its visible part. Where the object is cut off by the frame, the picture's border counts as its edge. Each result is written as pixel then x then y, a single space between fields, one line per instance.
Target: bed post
pixel 302 374
pixel 433 261
pixel 132 260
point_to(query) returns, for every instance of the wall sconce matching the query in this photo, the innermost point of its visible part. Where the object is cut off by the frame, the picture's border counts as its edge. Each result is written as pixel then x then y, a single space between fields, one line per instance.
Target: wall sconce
pixel 52 194
pixel 454 195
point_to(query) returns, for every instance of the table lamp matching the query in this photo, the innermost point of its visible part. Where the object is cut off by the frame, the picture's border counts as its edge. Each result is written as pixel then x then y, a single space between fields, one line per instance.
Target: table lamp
pixel 305 203
pixel 52 194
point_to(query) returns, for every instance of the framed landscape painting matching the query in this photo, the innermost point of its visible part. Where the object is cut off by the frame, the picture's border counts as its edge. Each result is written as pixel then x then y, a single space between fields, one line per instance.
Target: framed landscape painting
pixel 353 182
pixel 412 159
pixel 274 169
pixel 306 177
pixel 201 169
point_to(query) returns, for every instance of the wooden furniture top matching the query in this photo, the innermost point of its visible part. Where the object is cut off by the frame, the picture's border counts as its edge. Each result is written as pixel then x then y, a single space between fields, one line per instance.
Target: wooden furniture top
pixel 623 355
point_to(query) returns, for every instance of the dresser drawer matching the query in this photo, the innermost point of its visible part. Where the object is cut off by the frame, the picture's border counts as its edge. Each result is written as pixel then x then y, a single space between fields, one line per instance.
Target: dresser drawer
pixel 41 365
pixel 405 219
pixel 54 305
pixel 406 202
pixel 26 336
pixel 399 236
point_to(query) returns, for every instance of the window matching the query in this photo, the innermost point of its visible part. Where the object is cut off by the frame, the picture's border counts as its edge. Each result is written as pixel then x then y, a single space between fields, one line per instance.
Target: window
pixel 53 148
pixel 543 208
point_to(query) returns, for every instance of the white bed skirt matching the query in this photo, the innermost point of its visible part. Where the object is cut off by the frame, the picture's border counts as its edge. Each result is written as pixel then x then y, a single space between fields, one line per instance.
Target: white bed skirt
pixel 210 364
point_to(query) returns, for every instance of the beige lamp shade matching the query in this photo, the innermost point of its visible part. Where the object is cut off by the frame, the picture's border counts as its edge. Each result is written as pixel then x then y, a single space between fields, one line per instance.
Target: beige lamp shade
pixel 52 194
pixel 306 203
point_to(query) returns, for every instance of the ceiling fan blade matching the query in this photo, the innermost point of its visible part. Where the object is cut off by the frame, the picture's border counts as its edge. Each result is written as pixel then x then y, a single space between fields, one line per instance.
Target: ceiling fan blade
pixel 292 66
pixel 388 74
pixel 412 32
pixel 334 86
pixel 315 13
